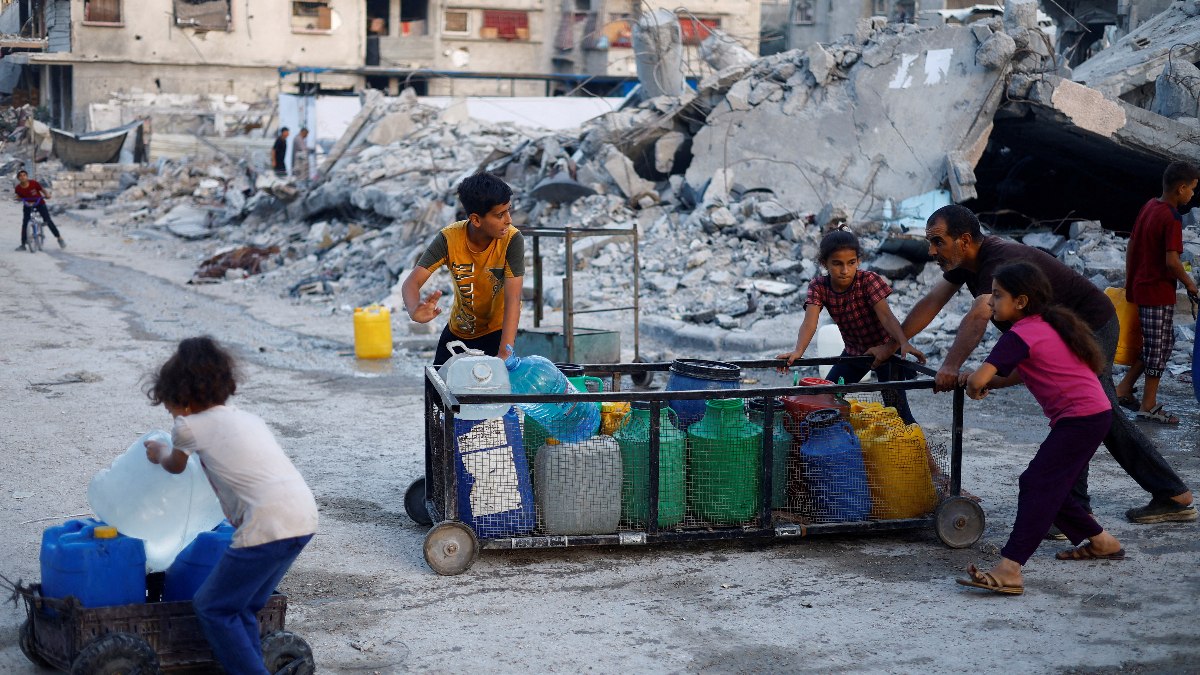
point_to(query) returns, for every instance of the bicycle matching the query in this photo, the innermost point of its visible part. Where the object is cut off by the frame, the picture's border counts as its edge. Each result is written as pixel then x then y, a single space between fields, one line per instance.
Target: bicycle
pixel 36 235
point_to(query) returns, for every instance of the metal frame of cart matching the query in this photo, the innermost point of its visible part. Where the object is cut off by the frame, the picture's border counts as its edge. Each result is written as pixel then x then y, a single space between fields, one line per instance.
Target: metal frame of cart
pixel 569 235
pixel 451 547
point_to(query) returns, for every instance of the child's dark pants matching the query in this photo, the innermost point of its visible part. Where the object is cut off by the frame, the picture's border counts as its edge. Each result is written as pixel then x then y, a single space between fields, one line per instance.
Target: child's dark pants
pixel 228 602
pixel 1045 496
pixel 853 373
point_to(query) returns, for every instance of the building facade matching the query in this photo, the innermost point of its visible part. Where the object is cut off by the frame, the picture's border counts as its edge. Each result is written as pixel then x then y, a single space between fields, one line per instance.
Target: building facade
pixel 93 48
pixel 68 54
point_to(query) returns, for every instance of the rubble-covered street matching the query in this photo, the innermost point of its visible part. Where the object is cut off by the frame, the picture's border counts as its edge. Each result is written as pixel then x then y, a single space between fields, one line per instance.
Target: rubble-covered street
pixel 729 187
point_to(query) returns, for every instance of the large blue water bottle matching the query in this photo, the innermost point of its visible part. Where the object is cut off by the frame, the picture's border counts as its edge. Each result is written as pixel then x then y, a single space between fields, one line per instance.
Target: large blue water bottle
pixel 568 422
pixel 195 562
pixel 94 563
pixel 834 475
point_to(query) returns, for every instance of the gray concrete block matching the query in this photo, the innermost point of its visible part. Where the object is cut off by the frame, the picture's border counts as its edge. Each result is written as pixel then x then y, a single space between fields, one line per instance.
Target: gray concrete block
pixel 996 51
pixel 820 63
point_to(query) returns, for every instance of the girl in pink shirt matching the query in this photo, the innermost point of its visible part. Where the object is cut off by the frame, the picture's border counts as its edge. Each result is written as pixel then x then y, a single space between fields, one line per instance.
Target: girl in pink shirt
pixel 1052 351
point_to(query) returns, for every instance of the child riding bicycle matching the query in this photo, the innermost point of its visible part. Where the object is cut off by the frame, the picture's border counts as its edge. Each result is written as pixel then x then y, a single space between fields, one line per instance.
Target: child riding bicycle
pixel 32 196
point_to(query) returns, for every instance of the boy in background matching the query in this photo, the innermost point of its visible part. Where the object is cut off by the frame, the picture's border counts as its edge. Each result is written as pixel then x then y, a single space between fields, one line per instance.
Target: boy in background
pixel 33 196
pixel 486 258
pixel 1152 268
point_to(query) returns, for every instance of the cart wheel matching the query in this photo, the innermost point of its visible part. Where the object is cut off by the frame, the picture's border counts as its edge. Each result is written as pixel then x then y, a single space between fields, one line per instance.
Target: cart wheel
pixel 414 502
pixel 116 653
pixel 958 522
pixel 643 379
pixel 451 548
pixel 29 647
pixel 286 652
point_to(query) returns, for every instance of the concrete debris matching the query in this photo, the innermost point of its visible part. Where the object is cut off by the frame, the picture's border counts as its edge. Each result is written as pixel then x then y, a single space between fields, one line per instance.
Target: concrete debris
pixel 721 51
pixel 1177 91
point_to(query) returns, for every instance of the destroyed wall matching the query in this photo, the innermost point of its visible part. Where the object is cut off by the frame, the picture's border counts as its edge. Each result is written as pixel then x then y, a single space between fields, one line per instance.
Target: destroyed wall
pixel 855 123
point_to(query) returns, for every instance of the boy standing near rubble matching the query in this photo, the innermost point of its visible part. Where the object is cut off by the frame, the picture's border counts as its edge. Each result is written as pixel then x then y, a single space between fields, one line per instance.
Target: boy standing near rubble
pixel 1152 268
pixel 486 258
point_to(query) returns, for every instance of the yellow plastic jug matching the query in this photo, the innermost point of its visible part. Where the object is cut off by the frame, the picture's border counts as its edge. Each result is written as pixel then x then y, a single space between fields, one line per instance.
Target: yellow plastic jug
pixel 896 458
pixel 372 332
pixel 1129 345
pixel 613 416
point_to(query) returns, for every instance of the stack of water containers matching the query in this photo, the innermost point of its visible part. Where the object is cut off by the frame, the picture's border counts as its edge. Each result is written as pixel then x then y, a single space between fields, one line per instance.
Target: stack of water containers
pixel 577 477
pixel 495 494
pixel 149 522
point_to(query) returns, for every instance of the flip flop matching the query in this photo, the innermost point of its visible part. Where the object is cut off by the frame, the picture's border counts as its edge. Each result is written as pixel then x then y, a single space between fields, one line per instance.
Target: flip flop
pixel 987 582
pixel 1129 402
pixel 1157 414
pixel 1085 551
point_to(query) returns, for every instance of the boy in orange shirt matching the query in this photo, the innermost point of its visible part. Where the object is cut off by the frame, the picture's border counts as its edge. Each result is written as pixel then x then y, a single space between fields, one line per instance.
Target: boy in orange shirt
pixel 1152 268
pixel 486 258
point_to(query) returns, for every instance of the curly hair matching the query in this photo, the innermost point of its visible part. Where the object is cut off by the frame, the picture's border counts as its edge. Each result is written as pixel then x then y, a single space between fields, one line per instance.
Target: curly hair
pixel 200 374
pixel 1022 278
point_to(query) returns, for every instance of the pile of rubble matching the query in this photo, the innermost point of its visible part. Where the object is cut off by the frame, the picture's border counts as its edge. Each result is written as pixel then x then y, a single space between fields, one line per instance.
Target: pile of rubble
pixel 729 218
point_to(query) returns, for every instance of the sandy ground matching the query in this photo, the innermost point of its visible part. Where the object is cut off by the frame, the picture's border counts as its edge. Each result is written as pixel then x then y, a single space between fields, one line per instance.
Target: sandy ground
pixel 110 308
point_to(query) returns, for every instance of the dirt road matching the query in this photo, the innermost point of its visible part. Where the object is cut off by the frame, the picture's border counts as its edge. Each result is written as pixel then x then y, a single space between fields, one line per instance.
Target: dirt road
pixel 82 327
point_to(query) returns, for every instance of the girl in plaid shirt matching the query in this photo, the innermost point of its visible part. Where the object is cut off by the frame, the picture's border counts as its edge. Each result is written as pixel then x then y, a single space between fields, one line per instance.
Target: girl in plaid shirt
pixel 857 303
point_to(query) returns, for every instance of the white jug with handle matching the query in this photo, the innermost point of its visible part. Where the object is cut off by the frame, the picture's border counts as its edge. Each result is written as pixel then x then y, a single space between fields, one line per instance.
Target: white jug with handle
pixel 470 371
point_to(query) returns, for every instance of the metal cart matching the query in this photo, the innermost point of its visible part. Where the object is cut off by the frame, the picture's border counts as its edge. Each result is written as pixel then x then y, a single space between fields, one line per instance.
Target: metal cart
pixel 452 546
pixel 142 638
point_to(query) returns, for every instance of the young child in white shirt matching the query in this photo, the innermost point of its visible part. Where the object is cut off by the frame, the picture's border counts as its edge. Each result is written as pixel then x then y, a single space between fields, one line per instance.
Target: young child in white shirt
pixel 261 493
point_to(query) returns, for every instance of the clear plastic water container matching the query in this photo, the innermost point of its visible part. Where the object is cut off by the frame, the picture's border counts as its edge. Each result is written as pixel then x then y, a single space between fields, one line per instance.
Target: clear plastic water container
pixel 143 500
pixel 470 371
pixel 567 421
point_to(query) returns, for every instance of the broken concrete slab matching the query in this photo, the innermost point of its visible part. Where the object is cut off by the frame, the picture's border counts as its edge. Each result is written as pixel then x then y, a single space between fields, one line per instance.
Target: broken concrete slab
pixel 187 222
pixel 893 266
pixel 620 169
pixel 1177 91
pixel 1137 59
pixel 666 149
pixel 863 152
pixel 996 51
pixel 391 128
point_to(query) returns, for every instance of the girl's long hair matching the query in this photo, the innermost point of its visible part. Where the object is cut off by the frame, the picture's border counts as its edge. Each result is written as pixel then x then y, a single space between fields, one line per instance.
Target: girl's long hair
pixel 1022 278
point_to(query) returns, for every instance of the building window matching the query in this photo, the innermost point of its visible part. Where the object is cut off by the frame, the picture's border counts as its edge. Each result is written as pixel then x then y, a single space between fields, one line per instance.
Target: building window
pixel 504 25
pixel 312 16
pixel 455 22
pixel 202 14
pixel 802 13
pixel 695 29
pixel 102 11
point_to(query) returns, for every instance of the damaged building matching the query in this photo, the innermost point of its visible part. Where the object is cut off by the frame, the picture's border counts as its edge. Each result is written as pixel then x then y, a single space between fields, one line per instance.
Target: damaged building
pixel 730 185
